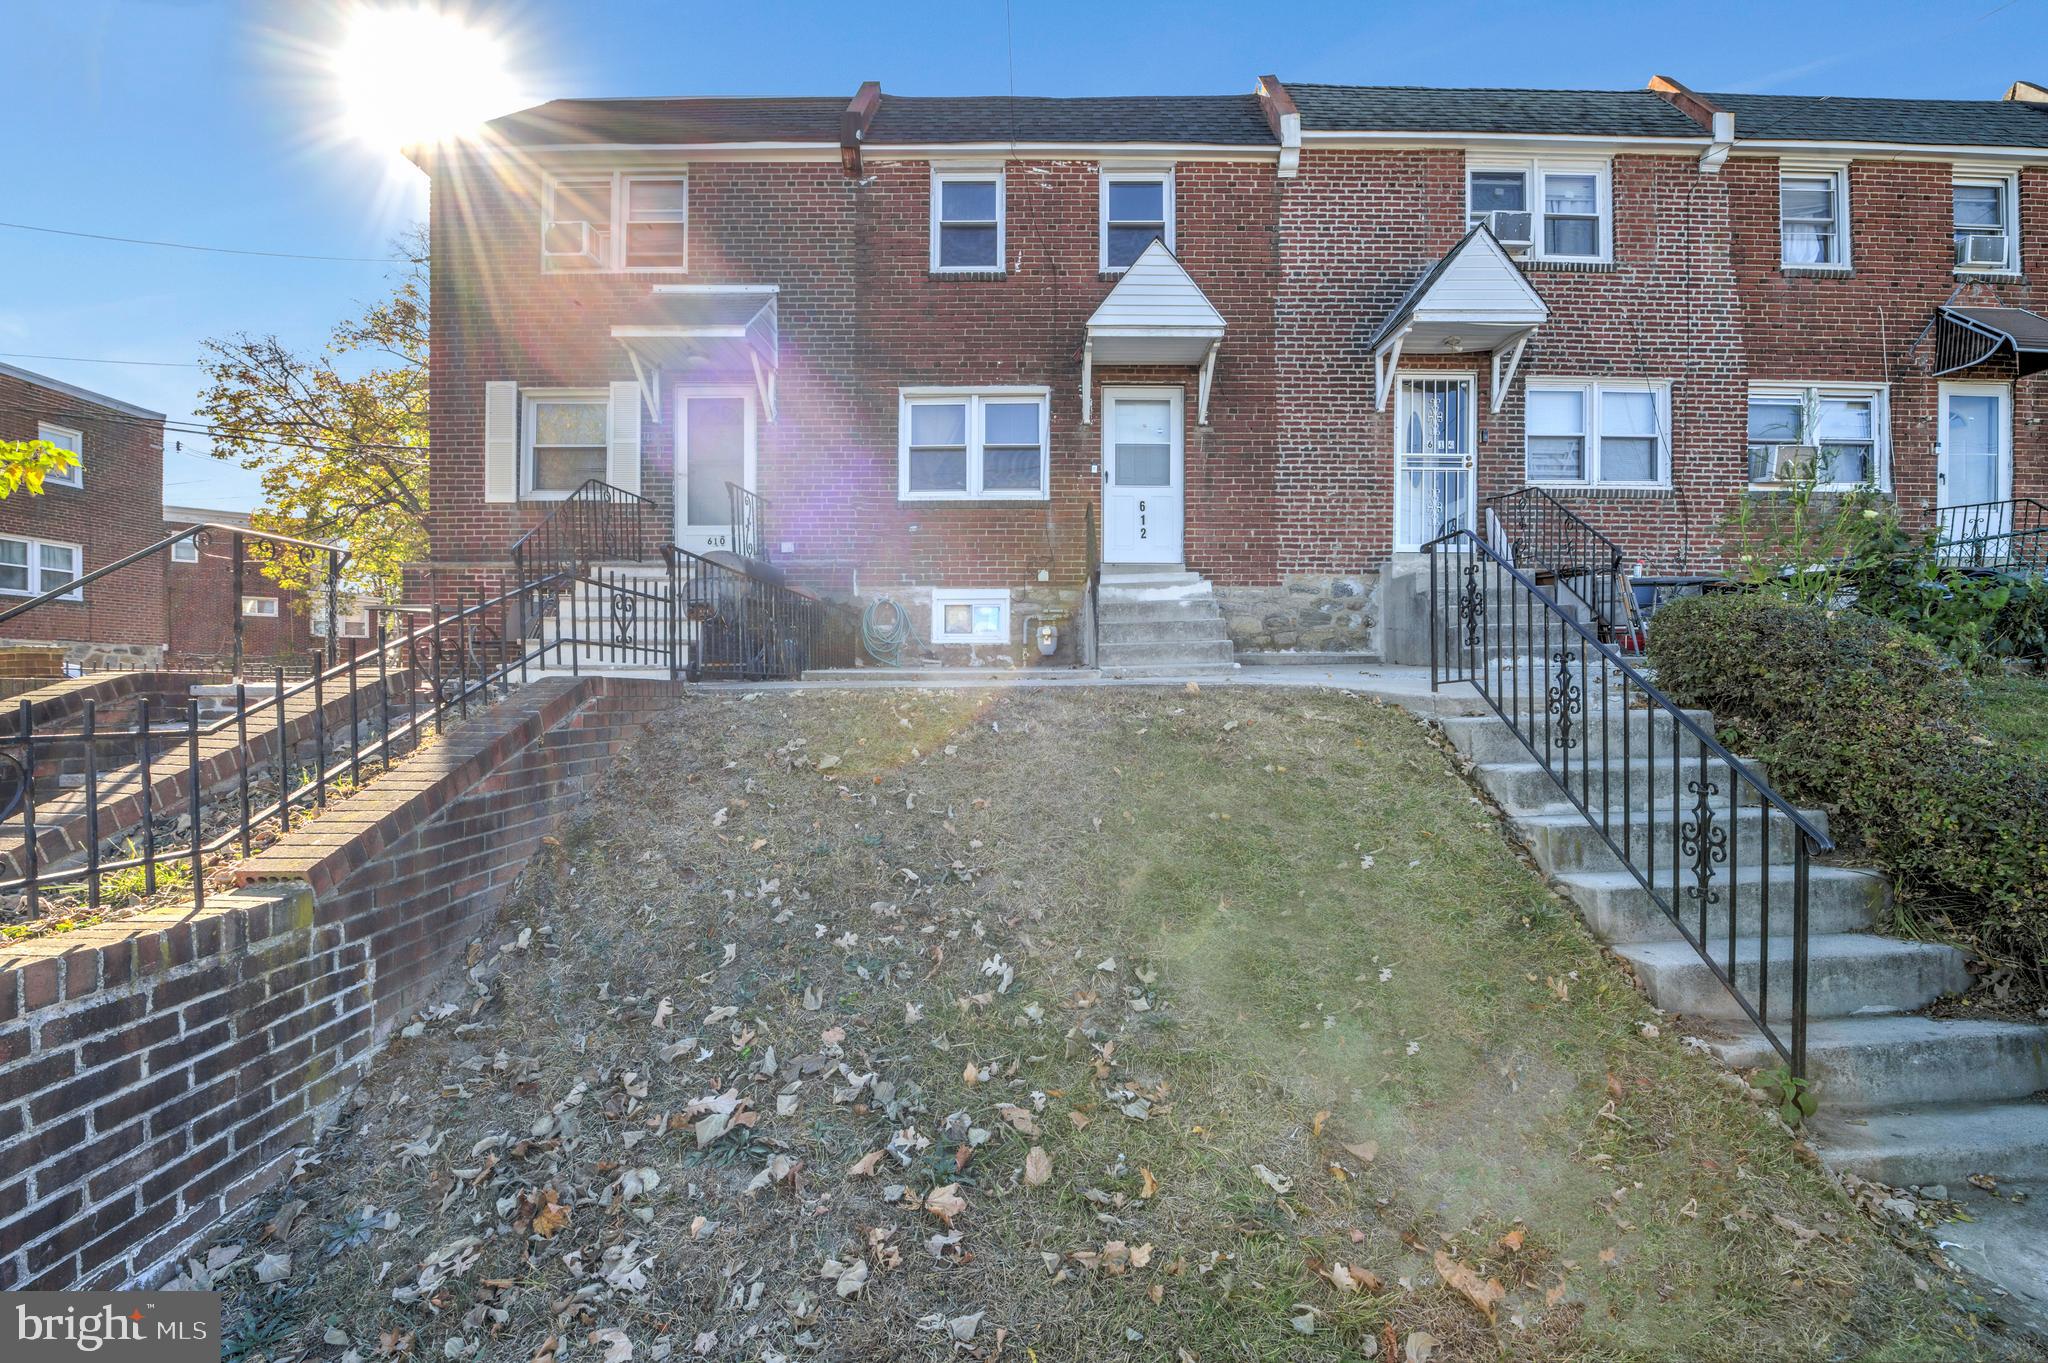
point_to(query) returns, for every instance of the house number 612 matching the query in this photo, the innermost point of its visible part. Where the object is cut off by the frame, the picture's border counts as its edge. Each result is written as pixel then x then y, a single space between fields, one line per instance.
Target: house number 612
pixel 1141 520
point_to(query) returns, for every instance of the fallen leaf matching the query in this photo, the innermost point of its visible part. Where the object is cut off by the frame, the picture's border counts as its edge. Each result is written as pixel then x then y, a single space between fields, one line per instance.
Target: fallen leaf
pixel 617 1348
pixel 1512 1241
pixel 273 1268
pixel 1037 1168
pixel 552 1215
pixel 1365 1152
pixel 1421 1344
pixel 1279 1183
pixel 864 1167
pixel 1148 1186
pixel 945 1203
pixel 1485 1295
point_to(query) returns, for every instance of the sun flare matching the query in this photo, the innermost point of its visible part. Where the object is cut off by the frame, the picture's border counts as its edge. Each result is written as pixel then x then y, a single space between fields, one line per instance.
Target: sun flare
pixel 413 75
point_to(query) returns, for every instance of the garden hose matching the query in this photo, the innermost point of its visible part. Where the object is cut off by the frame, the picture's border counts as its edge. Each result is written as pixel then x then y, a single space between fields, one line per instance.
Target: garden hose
pixel 885 631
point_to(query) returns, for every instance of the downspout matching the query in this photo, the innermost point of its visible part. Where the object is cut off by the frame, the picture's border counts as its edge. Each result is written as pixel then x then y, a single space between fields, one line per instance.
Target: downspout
pixel 1285 121
pixel 854 122
pixel 1717 122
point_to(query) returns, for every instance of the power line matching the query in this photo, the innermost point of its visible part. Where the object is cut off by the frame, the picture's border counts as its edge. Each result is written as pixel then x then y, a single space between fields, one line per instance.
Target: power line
pixel 174 427
pixel 212 250
pixel 93 359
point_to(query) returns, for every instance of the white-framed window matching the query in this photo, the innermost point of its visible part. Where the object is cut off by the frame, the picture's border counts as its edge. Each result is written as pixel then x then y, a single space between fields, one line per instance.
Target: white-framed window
pixel 1986 224
pixel 264 607
pixel 563 438
pixel 1135 206
pixel 1568 206
pixel 64 438
pixel 1593 433
pixel 1837 434
pixel 1813 217
pixel 30 567
pixel 967 220
pixel 185 551
pixel 986 444
pixel 622 220
pixel 970 617
pixel 348 624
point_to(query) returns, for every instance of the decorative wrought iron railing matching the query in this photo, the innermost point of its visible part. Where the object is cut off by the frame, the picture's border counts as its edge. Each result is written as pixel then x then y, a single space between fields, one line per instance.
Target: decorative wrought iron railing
pixel 740 625
pixel 1556 547
pixel 749 522
pixel 594 524
pixel 1701 832
pixel 2010 536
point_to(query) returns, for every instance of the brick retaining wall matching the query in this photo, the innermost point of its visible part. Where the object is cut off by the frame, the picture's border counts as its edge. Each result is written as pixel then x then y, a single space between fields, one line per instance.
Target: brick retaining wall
pixel 158 1072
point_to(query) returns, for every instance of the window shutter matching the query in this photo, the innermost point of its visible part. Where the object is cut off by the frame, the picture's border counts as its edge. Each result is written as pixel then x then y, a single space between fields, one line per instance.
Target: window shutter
pixel 622 461
pixel 501 442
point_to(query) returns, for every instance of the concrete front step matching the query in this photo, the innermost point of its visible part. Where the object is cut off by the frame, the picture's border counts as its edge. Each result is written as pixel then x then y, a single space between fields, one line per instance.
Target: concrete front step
pixel 1561 840
pixel 1530 786
pixel 1193 629
pixel 1489 739
pixel 1944 1144
pixel 1897 1062
pixel 1163 654
pixel 1200 611
pixel 1839 899
pixel 1846 973
pixel 1175 671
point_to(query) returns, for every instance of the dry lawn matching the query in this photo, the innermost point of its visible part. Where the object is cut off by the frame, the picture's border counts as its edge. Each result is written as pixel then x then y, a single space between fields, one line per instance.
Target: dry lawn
pixel 1118 1024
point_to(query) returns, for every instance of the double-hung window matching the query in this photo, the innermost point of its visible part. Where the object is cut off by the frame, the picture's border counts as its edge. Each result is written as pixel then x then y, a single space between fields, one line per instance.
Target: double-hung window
pixel 617 221
pixel 1837 435
pixel 1546 209
pixel 1813 217
pixel 261 607
pixel 1137 208
pixel 967 220
pixel 564 438
pixel 64 438
pixel 1582 433
pixel 1986 224
pixel 30 567
pixel 958 444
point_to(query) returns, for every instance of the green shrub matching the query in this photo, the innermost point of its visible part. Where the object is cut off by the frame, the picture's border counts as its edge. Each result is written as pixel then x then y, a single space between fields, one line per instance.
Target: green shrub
pixel 1871 722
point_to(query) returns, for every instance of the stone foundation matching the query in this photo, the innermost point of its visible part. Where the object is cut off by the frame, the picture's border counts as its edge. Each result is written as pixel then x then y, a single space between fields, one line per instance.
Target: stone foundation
pixel 92 657
pixel 1305 613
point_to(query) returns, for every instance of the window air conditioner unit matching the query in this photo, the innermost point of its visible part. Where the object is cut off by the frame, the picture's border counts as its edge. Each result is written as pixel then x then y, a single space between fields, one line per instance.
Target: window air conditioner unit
pixel 572 243
pixel 1512 227
pixel 1981 248
pixel 1788 463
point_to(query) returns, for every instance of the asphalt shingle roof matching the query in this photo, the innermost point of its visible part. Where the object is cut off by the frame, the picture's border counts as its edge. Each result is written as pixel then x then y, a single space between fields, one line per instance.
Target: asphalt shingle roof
pixel 654 121
pixel 1925 122
pixel 1411 108
pixel 1230 120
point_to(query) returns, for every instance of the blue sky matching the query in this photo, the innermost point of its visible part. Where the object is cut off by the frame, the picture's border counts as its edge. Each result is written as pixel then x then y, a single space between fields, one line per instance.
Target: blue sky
pixel 214 121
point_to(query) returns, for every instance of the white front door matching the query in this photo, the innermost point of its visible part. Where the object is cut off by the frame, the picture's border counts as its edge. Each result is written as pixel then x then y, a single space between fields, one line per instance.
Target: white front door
pixel 1142 468
pixel 714 446
pixel 1975 462
pixel 1434 445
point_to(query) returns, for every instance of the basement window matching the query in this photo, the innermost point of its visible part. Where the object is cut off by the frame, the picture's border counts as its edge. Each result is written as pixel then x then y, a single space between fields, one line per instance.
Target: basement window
pixel 970 617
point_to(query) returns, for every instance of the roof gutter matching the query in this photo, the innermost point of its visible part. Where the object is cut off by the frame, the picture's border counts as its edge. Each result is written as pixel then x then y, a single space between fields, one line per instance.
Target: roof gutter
pixel 1285 120
pixel 854 124
pixel 1718 122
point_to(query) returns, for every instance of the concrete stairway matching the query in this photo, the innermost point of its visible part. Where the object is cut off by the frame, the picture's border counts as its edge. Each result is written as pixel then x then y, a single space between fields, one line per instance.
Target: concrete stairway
pixel 620 632
pixel 1904 1098
pixel 1159 620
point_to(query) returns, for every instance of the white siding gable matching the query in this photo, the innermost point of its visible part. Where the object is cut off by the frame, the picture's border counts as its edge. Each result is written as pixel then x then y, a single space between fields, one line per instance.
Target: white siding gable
pixel 1482 283
pixel 1154 295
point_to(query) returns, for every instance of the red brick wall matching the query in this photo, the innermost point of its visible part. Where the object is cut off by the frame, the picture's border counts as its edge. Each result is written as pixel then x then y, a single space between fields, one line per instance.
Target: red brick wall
pixel 118 511
pixel 201 606
pixel 157 1072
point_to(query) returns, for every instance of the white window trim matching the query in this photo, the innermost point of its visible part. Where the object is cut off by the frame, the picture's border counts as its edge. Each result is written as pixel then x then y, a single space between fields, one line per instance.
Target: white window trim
pixel 185 551
pixel 2008 185
pixel 1811 170
pixel 943 597
pixel 974 398
pixel 1590 389
pixel 35 566
pixel 527 398
pixel 614 261
pixel 1533 169
pixel 940 177
pixel 58 435
pixel 1878 394
pixel 259 602
pixel 1163 178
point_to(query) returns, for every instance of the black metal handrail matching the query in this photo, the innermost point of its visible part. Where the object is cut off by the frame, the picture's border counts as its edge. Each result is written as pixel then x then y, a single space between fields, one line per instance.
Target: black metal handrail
pixel 1493 626
pixel 749 522
pixel 595 523
pixel 1540 534
pixel 2010 534
pixel 745 626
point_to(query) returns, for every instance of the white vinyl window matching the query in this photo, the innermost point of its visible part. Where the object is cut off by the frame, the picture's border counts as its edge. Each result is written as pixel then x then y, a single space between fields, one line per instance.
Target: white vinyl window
pixel 348 625
pixel 64 438
pixel 1544 209
pixel 264 607
pixel 1136 208
pixel 185 551
pixel 31 567
pixel 1837 435
pixel 959 444
pixel 970 617
pixel 1813 217
pixel 1583 433
pixel 563 439
pixel 618 221
pixel 1986 221
pixel 967 220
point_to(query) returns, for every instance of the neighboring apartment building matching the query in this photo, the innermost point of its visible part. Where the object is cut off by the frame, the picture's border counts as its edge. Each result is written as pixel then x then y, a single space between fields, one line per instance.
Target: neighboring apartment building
pixel 971 348
pixel 202 608
pixel 109 508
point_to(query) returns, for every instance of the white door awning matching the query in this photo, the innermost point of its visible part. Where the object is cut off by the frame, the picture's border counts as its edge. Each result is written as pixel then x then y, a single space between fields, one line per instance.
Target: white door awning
pixel 1475 300
pixel 722 330
pixel 1156 315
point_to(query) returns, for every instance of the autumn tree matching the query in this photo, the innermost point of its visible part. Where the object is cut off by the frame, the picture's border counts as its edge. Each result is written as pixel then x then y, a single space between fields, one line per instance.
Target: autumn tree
pixel 28 462
pixel 339 439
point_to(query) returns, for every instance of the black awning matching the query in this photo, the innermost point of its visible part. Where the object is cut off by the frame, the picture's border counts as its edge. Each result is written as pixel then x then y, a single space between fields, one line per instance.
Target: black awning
pixel 1969 336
